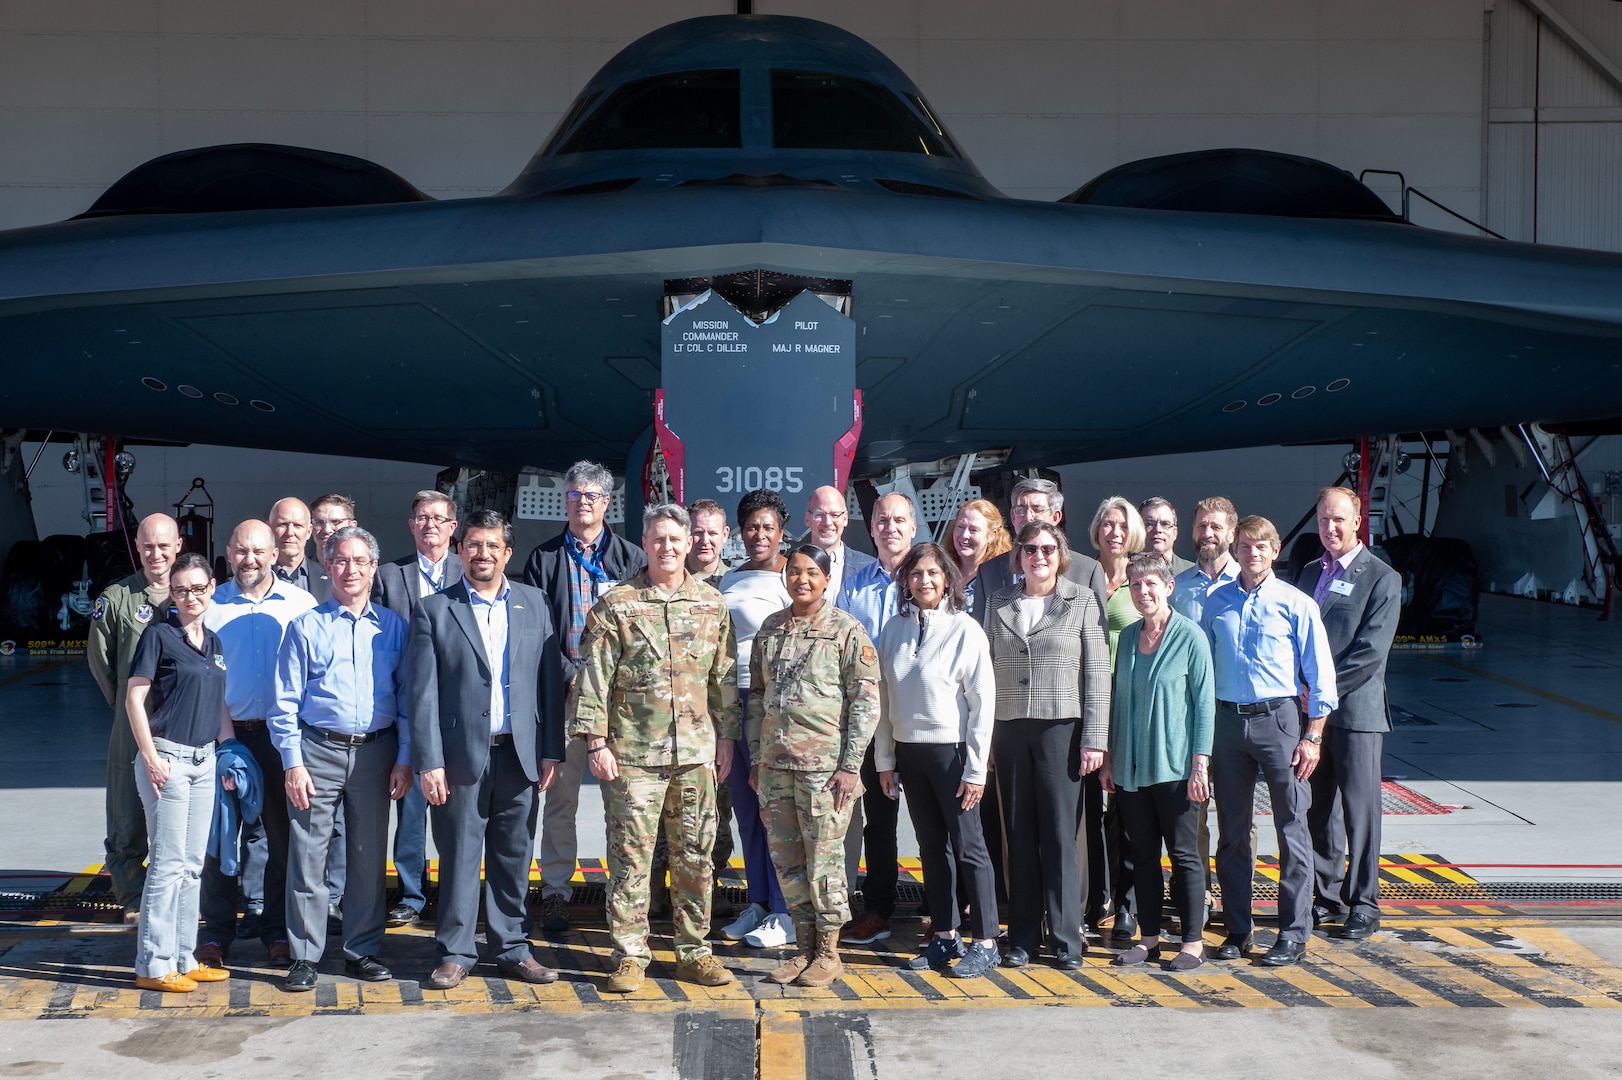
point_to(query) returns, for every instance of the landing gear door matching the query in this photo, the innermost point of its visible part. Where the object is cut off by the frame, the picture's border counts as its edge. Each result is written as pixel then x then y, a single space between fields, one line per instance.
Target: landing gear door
pixel 745 405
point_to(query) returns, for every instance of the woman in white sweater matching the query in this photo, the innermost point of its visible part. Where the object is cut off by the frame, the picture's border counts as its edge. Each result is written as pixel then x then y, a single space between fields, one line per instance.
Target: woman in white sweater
pixel 937 703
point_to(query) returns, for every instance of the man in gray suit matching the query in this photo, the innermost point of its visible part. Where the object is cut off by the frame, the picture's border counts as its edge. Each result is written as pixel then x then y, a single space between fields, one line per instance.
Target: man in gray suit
pixel 401 586
pixel 1360 599
pixel 486 679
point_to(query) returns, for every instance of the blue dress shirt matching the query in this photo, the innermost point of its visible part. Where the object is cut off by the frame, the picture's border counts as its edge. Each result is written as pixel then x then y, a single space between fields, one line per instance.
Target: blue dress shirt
pixel 491 615
pixel 341 674
pixel 1193 586
pixel 870 596
pixel 1267 642
pixel 251 633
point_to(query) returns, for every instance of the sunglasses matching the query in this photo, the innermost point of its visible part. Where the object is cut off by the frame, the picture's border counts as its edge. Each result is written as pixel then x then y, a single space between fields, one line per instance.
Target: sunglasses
pixel 1047 550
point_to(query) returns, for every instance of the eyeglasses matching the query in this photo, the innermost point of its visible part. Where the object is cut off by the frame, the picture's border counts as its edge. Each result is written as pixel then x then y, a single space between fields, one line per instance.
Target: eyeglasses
pixel 345 564
pixel 198 591
pixel 829 515
pixel 590 498
pixel 1029 510
pixel 1047 550
pixel 432 521
pixel 1153 525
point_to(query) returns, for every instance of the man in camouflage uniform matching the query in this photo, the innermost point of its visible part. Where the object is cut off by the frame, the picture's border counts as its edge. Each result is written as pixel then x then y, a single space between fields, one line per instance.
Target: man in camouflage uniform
pixel 812 714
pixel 121 615
pixel 656 700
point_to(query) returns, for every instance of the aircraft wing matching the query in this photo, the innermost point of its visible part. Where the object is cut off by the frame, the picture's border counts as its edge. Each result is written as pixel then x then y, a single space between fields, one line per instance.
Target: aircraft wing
pixel 515 331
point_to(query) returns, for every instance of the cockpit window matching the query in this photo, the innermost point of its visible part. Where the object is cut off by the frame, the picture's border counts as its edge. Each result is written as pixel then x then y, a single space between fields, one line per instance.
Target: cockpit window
pixel 815 111
pixel 690 109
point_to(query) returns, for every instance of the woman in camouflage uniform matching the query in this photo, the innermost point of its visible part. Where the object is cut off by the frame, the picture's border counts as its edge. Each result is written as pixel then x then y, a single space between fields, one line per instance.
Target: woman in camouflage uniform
pixel 813 706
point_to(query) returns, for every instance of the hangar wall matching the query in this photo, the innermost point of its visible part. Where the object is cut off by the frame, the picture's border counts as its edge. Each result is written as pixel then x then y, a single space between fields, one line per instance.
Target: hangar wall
pixel 1044 95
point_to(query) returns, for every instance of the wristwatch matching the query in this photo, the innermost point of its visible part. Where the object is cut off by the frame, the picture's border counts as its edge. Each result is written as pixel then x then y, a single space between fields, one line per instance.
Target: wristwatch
pixel 1315 740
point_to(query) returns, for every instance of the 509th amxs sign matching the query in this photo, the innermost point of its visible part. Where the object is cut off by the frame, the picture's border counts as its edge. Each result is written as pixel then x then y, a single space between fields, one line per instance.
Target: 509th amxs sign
pixel 747 406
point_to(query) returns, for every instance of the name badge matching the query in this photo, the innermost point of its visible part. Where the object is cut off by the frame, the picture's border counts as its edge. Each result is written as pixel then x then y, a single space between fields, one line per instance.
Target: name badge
pixel 1341 586
pixel 604 586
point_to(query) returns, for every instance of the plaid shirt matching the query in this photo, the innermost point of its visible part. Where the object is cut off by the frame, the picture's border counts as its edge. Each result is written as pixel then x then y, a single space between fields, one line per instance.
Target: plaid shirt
pixel 582 590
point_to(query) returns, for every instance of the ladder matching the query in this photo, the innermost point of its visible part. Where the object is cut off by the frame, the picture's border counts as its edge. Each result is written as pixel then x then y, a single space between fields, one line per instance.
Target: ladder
pixel 1558 464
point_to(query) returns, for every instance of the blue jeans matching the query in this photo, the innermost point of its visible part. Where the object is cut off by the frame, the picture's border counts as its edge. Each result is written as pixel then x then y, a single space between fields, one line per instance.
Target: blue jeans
pixel 411 846
pixel 757 853
pixel 177 830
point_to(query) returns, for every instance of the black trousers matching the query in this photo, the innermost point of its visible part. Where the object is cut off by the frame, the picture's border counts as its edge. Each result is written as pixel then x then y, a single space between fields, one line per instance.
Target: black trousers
pixel 1344 821
pixel 1039 782
pixel 881 813
pixel 949 838
pixel 1162 814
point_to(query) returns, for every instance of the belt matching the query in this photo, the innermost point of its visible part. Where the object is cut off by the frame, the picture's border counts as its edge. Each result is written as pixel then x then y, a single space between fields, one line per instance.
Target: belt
pixel 344 740
pixel 1256 708
pixel 248 725
pixel 504 739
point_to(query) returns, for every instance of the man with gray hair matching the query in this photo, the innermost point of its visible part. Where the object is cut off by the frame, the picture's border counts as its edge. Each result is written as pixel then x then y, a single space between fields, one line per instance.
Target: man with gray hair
pixel 655 711
pixel 1160 531
pixel 574 569
pixel 337 723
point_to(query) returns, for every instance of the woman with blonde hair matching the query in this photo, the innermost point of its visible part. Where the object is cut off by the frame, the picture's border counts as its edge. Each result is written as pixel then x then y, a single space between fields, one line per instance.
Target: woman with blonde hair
pixel 978 536
pixel 1118 534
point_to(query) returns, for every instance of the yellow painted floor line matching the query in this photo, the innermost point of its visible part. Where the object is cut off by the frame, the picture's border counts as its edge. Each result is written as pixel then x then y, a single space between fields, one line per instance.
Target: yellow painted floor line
pixel 1304 980
pixel 1386 980
pixel 782 1046
pixel 1536 691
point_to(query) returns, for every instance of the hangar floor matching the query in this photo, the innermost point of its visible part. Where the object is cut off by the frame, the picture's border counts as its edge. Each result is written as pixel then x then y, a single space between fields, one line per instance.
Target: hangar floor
pixel 1506 766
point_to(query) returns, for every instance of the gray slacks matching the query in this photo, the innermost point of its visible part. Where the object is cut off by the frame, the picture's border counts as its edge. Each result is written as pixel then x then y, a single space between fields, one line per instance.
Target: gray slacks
pixel 1245 745
pixel 493 817
pixel 1345 821
pixel 355 778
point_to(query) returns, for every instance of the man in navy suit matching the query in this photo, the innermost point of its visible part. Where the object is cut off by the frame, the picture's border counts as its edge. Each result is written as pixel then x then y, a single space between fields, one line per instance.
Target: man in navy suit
pixel 486 692
pixel 1359 598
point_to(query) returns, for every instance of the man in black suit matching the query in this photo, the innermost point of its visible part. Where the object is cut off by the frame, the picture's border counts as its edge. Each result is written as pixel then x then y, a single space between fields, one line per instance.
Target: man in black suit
pixel 486 692
pixel 574 569
pixel 400 586
pixel 1360 599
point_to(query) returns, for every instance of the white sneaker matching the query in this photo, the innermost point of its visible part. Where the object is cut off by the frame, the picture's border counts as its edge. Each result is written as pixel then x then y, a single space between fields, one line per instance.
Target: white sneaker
pixel 773 930
pixel 744 923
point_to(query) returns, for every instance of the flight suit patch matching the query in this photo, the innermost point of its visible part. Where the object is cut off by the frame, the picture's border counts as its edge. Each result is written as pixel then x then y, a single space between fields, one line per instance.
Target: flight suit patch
pixel 143 613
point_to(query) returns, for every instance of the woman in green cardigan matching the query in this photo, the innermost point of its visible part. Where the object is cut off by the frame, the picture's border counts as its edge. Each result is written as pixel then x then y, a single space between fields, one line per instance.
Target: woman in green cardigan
pixel 1162 716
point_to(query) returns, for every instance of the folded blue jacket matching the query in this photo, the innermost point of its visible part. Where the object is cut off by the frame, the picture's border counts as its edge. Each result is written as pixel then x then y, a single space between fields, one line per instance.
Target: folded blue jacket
pixel 233 809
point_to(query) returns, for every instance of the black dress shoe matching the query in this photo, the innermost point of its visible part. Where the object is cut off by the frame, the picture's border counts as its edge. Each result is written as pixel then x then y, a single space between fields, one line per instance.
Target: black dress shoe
pixel 1284 953
pixel 300 977
pixel 1324 913
pixel 1233 947
pixel 1126 926
pixel 1015 957
pixel 1358 927
pixel 367 969
pixel 1068 961
pixel 402 915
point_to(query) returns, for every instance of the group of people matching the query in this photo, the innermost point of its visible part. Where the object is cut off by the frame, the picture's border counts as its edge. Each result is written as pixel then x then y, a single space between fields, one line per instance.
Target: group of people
pixel 1053 719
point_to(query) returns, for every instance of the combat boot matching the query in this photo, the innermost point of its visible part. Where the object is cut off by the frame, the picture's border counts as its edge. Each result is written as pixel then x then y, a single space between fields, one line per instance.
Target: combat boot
pixel 825 966
pixel 806 935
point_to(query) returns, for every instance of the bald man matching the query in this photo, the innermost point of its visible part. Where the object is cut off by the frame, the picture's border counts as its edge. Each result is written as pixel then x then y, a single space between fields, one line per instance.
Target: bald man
pixel 119 618
pixel 290 528
pixel 250 613
pixel 826 516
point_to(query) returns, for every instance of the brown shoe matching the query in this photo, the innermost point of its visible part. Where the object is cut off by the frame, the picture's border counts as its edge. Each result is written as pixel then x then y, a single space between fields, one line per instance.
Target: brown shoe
pixel 172 983
pixel 866 930
pixel 447 976
pixel 805 935
pixel 826 966
pixel 530 970
pixel 281 954
pixel 705 970
pixel 209 954
pixel 628 977
pixel 207 973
